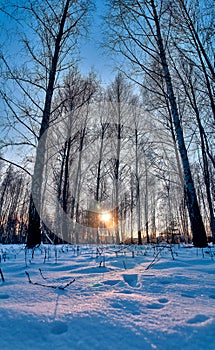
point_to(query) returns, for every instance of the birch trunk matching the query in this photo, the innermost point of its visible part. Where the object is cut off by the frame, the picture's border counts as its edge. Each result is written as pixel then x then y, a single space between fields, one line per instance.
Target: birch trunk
pixel 116 182
pixel 137 189
pixel 34 229
pixel 77 177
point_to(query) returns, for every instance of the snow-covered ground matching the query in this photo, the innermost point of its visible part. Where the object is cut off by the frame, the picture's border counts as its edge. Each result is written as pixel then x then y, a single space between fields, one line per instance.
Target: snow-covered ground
pixel 111 297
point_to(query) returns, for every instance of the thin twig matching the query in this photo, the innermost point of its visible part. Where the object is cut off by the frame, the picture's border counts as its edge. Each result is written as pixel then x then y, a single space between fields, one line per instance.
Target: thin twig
pixel 171 250
pixel 2 276
pixel 124 265
pixel 154 260
pixel 42 274
pixel 48 286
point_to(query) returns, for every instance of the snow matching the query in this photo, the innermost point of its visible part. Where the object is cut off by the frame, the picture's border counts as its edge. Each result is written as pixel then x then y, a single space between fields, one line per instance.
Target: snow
pixel 108 297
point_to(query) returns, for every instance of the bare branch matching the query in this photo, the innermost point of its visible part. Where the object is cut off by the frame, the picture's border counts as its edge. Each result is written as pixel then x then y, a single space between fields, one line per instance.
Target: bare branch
pixel 17 165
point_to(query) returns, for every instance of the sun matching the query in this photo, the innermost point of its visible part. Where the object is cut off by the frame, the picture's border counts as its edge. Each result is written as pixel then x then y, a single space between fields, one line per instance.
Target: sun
pixel 105 217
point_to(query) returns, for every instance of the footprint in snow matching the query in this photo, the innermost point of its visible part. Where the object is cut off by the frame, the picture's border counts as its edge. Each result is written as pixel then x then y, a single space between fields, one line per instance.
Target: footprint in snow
pixel 4 296
pixel 59 327
pixel 212 296
pixel 163 300
pixel 131 279
pixel 198 319
pixel 159 304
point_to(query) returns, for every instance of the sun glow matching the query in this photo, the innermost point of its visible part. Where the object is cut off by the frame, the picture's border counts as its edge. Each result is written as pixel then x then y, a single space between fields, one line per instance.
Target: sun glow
pixel 106 217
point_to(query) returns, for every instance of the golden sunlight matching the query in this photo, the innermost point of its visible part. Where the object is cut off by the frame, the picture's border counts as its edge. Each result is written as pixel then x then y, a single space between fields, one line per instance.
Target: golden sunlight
pixel 105 216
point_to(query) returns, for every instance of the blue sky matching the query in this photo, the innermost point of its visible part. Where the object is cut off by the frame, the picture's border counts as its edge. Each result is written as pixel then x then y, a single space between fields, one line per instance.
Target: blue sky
pixel 92 54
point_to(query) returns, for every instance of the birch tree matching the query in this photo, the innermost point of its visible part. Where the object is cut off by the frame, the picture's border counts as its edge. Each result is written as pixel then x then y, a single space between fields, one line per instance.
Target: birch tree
pixel 119 96
pixel 14 199
pixel 54 28
pixel 198 113
pixel 66 142
pixel 138 33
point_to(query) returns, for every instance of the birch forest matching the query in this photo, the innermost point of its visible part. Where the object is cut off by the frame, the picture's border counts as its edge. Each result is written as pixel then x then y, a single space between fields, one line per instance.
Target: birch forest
pixel 126 161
